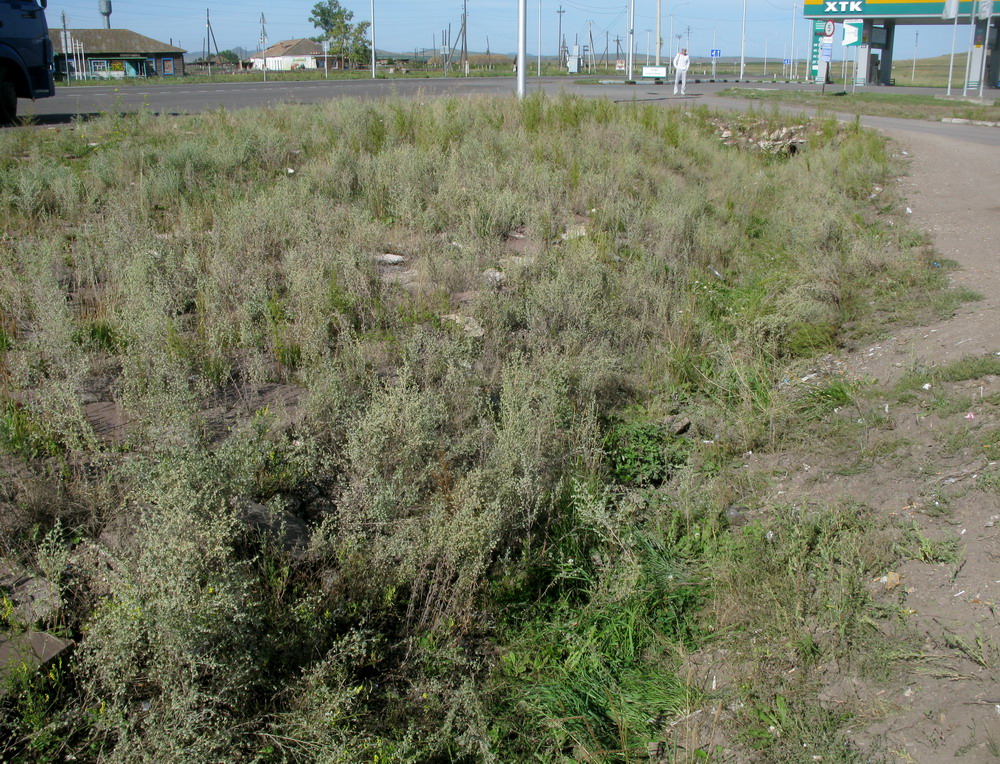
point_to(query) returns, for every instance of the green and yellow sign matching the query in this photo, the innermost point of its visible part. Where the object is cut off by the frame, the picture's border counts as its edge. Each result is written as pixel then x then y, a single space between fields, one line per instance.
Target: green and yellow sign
pixel 886 8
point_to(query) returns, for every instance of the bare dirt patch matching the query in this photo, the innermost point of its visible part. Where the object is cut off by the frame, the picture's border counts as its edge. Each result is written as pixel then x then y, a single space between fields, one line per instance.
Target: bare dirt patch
pixel 930 463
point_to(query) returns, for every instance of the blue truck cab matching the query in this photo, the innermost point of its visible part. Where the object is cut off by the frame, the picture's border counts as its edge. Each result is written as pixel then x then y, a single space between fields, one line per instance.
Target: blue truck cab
pixel 25 55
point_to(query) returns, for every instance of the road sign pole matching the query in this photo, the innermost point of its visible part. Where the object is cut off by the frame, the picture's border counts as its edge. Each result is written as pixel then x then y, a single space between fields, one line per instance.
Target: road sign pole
pixel 951 63
pixel 714 57
pixel 986 46
pixel 972 45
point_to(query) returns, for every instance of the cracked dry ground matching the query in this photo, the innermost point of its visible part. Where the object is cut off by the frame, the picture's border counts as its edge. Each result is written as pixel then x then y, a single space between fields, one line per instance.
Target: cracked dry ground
pixel 933 463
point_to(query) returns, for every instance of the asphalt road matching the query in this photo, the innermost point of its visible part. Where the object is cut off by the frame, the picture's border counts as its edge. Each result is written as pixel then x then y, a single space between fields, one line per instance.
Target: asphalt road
pixel 71 102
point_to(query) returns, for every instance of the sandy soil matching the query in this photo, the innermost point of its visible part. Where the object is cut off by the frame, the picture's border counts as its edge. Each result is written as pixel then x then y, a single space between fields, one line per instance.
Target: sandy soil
pixel 952 190
pixel 946 704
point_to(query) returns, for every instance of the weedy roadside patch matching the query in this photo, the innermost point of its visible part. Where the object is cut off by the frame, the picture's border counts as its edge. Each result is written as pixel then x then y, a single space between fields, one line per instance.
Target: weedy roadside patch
pixel 388 488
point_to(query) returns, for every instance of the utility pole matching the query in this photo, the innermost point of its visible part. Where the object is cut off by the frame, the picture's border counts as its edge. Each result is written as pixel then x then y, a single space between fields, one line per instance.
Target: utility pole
pixel 765 57
pixel 211 41
pixel 559 40
pixel 522 45
pixel 263 45
pixel 65 45
pixel 648 32
pixel 590 29
pixel 465 37
pixel 208 41
pixel 659 31
pixel 916 47
pixel 461 54
pixel 373 39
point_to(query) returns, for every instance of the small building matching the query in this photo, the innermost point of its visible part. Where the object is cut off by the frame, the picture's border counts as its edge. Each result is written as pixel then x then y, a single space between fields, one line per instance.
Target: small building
pixel 290 55
pixel 113 54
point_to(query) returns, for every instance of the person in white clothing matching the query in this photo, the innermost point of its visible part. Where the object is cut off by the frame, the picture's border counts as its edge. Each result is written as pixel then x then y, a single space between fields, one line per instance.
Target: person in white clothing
pixel 682 62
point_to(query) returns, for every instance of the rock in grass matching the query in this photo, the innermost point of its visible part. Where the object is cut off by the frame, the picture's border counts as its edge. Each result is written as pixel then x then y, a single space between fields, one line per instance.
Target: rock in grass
pixel 30 598
pixel 468 324
pixel 389 259
pixel 736 516
pixel 290 532
pixel 678 425
pixel 26 652
pixel 494 278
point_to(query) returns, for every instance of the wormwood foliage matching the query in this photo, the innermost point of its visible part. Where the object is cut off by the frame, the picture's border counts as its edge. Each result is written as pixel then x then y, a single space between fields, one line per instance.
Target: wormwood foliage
pixel 330 522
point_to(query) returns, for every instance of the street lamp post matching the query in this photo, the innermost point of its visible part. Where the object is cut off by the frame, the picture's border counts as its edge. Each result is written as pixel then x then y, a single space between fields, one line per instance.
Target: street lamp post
pixel 743 43
pixel 539 38
pixel 631 41
pixel 792 69
pixel 522 44
pixel 373 39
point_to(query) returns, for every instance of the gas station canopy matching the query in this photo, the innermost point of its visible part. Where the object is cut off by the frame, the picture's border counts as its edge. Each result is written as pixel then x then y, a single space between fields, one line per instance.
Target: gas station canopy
pixel 878 20
pixel 927 12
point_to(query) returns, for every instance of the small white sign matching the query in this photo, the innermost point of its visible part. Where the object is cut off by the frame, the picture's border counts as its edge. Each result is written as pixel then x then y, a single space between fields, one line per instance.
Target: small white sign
pixel 852 31
pixel 654 71
pixel 620 65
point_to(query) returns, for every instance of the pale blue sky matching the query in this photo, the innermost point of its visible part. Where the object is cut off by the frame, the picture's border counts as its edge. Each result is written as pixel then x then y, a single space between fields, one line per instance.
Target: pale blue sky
pixel 403 26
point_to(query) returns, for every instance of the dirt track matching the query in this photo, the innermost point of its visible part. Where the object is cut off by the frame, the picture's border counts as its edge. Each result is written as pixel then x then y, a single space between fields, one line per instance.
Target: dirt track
pixel 945 706
pixel 951 190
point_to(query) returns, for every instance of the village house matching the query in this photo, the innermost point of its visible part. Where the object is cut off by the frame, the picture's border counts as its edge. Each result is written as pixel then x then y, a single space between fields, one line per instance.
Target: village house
pixel 113 54
pixel 291 55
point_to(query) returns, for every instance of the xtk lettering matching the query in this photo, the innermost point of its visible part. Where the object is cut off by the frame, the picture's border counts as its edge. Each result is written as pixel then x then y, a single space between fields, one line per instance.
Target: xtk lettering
pixel 843 6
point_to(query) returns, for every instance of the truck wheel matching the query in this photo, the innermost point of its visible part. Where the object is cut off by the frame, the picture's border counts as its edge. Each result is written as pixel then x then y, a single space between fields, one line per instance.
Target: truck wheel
pixel 8 99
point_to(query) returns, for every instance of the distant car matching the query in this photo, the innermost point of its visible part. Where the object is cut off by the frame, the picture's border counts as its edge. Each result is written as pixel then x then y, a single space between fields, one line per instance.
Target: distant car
pixel 25 55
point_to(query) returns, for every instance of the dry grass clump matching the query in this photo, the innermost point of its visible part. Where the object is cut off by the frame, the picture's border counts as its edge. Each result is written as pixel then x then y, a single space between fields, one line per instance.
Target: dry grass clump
pixel 472 439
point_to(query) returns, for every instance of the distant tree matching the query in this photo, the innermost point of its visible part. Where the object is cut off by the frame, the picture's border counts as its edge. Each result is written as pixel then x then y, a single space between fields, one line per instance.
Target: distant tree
pixel 332 18
pixel 358 48
pixel 229 57
pixel 347 40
